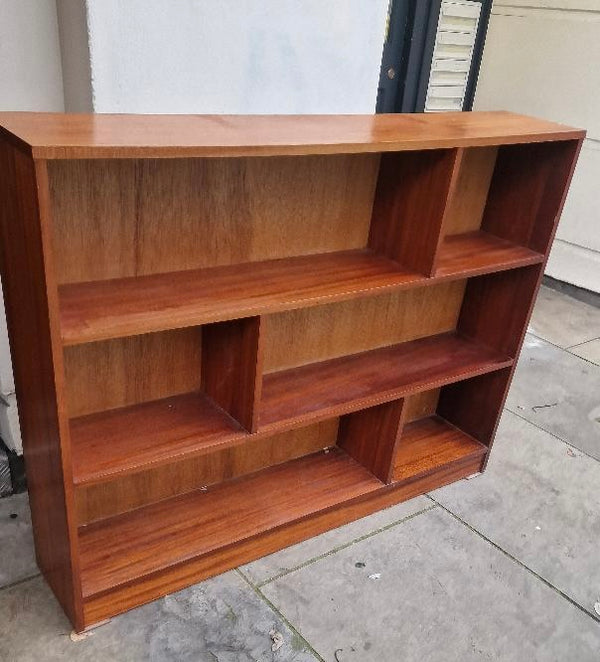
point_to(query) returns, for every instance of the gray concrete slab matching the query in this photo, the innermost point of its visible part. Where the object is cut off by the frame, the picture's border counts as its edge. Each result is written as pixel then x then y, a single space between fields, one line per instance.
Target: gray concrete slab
pixel 562 320
pixel 539 500
pixel 220 620
pixel 590 351
pixel 16 540
pixel 292 557
pixel 558 392
pixel 444 594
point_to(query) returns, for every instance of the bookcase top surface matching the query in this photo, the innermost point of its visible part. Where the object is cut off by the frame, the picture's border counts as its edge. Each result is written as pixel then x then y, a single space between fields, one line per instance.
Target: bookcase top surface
pixel 84 136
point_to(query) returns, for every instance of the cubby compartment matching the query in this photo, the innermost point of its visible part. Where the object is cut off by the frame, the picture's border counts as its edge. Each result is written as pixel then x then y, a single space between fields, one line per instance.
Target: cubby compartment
pixel 503 206
pixel 449 427
pixel 139 401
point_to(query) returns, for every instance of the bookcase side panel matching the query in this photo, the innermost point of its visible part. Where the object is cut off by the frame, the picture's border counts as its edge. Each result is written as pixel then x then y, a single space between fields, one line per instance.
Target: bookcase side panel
pixel 31 310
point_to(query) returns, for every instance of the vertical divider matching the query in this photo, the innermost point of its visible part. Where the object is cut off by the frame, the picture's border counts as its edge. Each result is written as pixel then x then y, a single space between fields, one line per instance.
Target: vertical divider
pixel 410 205
pixel 496 308
pixel 371 436
pixel 475 405
pixel 232 367
pixel 528 190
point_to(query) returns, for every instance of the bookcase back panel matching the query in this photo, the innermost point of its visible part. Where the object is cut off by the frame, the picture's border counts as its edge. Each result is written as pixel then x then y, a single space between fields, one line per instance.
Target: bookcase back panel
pixel 116 373
pixel 298 337
pixel 466 205
pixel 420 405
pixel 123 218
pixel 98 501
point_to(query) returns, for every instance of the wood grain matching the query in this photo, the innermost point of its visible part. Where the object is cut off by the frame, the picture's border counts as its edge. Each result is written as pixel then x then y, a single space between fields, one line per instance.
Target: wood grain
pixel 420 405
pixel 31 312
pixel 527 192
pixel 431 443
pixel 144 590
pixel 343 385
pixel 232 368
pixel 411 199
pixel 126 492
pixel 370 436
pixel 133 545
pixel 64 136
pixel 127 371
pixel 478 252
pixel 467 202
pixel 306 335
pixel 129 306
pixel 496 308
pixel 115 219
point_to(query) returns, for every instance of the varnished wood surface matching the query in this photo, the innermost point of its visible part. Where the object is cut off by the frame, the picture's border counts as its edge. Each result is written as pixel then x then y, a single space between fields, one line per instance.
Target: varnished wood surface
pixel 466 204
pixel 343 385
pixel 129 439
pixel 175 577
pixel 410 204
pixel 111 442
pixel 232 367
pixel 119 218
pixel 160 481
pixel 371 435
pixel 32 319
pixel 475 253
pixel 430 443
pixel 307 335
pixel 105 309
pixel 73 136
pixel 125 371
pixel 110 308
pixel 150 539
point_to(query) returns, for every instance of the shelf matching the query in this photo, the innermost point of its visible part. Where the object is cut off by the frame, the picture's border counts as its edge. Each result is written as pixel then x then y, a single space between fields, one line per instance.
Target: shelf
pixel 475 253
pixel 169 532
pixel 129 306
pixel 430 444
pixel 100 310
pixel 339 386
pixel 121 440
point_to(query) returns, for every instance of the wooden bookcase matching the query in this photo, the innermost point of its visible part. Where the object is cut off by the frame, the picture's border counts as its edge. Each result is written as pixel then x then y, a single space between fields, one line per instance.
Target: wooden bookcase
pixel 232 333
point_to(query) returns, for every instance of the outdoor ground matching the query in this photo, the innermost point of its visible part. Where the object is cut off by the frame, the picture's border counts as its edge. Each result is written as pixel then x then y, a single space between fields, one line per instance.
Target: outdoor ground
pixel 505 566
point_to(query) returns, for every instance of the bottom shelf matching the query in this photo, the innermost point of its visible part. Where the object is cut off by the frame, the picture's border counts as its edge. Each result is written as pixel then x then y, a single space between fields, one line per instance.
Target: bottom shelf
pixel 428 444
pixel 164 534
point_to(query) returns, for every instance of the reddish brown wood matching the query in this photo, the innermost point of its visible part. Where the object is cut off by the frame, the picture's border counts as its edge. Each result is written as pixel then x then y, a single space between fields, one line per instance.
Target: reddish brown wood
pixel 232 368
pixel 128 306
pixel 31 311
pixel 496 308
pixel 149 433
pixel 343 385
pixel 475 253
pixel 119 493
pixel 475 405
pixel 115 551
pixel 60 136
pixel 370 437
pixel 410 202
pixel 228 222
pixel 527 192
pixel 431 443
pixel 171 579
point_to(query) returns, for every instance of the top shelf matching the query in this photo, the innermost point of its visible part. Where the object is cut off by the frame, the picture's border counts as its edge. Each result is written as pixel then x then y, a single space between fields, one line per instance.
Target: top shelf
pixel 89 136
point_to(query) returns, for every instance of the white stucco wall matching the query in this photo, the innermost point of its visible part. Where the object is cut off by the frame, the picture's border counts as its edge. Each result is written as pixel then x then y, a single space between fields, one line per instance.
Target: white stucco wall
pixel 542 58
pixel 236 56
pixel 30 79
